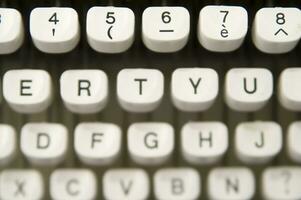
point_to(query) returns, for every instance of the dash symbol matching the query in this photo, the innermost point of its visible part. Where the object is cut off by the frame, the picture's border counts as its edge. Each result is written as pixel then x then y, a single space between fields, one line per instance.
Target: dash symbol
pixel 166 31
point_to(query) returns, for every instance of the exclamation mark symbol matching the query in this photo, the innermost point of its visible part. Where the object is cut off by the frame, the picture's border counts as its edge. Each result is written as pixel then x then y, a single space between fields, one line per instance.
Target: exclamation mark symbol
pixel 53 32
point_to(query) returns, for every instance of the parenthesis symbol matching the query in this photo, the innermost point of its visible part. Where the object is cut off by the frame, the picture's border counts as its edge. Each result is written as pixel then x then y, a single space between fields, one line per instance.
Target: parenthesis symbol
pixel 109 32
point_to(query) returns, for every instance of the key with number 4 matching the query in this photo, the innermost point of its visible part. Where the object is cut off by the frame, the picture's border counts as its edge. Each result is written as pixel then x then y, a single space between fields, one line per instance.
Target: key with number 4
pixel 54 30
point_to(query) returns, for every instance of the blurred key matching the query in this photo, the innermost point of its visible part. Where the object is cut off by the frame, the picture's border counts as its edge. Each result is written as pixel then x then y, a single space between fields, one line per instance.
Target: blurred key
pixel 11 30
pixel 289 87
pixel 8 143
pixel 75 184
pixel 231 183
pixel 294 141
pixel 21 184
pixel 126 184
pixel 281 183
pixel 177 184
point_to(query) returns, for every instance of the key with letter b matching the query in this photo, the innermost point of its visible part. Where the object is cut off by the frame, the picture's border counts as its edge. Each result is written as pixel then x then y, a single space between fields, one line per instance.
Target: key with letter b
pixel 177 184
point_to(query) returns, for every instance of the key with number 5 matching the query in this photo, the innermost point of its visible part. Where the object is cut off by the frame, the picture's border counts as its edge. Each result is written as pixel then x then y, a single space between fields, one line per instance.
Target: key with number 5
pixel 54 30
pixel 110 29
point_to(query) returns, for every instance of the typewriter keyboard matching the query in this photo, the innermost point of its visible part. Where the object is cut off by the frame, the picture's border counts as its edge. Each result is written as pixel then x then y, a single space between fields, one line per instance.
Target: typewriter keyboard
pixel 154 99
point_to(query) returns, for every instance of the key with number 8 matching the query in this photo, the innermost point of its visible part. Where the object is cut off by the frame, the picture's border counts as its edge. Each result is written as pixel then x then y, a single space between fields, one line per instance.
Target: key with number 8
pixel 277 30
pixel 54 30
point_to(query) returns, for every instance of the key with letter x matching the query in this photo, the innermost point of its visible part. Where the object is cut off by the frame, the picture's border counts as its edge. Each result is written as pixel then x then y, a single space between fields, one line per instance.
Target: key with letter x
pixel 21 184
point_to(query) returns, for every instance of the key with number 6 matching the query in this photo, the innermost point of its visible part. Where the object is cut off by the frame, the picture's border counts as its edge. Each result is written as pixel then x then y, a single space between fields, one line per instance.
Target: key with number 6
pixel 54 30
pixel 165 29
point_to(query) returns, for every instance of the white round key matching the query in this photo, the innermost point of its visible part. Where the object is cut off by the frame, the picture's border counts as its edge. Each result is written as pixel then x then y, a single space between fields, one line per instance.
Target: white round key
pixel 222 28
pixel 204 142
pixel 27 91
pixel 126 184
pixel 11 30
pixel 165 29
pixel 276 30
pixel 75 184
pixel 281 183
pixel 44 143
pixel 140 90
pixel 258 142
pixel 8 143
pixel 248 89
pixel 54 29
pixel 294 141
pixel 177 184
pixel 84 91
pixel 21 184
pixel 289 89
pixel 150 143
pixel 110 29
pixel 97 143
pixel 194 89
pixel 231 183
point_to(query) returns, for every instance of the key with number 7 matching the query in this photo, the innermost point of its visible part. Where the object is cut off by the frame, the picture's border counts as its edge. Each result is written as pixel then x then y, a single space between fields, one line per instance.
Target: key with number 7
pixel 222 28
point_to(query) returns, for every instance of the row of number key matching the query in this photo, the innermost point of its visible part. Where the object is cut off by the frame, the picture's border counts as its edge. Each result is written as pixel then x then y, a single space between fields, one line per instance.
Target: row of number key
pixel 164 29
